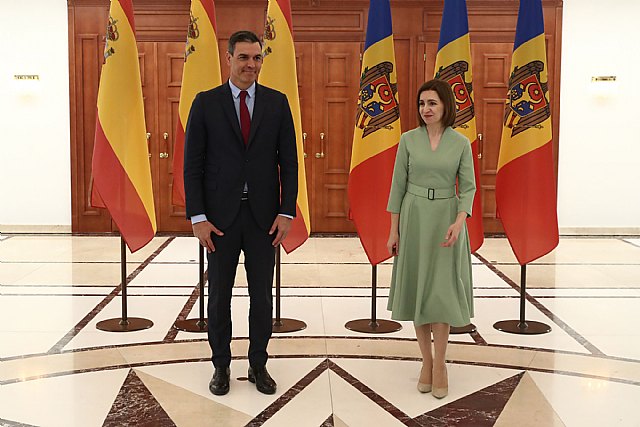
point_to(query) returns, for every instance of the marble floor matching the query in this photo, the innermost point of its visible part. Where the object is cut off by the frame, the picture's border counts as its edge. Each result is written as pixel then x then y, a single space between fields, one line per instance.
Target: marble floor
pixel 58 369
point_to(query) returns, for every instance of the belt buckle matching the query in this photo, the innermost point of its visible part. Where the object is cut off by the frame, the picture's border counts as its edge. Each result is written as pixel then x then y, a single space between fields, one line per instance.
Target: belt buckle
pixel 431 193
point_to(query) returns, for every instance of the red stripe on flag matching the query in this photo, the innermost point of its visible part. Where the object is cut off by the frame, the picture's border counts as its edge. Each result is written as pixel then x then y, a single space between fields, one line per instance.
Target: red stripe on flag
pixel 369 185
pixel 474 224
pixel 211 12
pixel 285 7
pixel 177 194
pixel 119 195
pixel 526 201
pixel 127 7
pixel 297 234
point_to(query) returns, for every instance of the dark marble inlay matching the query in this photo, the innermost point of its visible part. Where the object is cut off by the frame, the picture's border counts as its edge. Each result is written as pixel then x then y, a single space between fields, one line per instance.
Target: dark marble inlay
pixel 481 408
pixel 555 319
pixel 328 422
pixel 57 348
pixel 136 406
pixel 193 298
pixel 478 338
pixel 9 423
pixel 280 402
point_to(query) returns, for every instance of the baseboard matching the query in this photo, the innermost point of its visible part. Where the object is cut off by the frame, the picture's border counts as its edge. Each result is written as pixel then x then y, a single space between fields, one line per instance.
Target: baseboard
pixel 31 228
pixel 599 231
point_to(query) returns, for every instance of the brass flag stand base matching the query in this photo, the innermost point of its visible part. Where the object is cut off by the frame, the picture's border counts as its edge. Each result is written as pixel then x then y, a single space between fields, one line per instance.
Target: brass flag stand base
pixel 124 324
pixel 199 324
pixel 373 325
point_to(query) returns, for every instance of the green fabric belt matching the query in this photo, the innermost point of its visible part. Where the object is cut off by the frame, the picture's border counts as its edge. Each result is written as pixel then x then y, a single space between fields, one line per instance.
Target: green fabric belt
pixel 431 193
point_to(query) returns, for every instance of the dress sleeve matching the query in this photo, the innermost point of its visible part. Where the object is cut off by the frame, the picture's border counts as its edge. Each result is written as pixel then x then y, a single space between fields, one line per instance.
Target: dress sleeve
pixel 466 180
pixel 399 181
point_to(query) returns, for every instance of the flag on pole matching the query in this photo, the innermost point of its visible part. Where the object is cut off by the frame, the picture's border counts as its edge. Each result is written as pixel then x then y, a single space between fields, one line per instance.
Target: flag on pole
pixel 120 166
pixel 453 64
pixel 525 183
pixel 201 71
pixel 376 135
pixel 279 72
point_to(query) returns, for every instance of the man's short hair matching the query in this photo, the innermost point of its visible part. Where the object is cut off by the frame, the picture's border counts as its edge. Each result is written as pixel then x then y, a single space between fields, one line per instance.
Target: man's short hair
pixel 242 36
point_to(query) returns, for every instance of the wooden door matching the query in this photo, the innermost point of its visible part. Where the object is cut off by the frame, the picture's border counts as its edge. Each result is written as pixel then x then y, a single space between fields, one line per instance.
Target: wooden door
pixel 329 81
pixel 171 218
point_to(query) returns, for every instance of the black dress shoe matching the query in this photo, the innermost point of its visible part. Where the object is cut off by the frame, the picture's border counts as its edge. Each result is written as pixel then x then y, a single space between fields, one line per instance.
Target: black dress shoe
pixel 219 384
pixel 264 383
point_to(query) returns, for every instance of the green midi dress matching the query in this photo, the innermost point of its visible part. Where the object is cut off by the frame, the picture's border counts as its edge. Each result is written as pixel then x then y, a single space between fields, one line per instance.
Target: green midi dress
pixel 431 283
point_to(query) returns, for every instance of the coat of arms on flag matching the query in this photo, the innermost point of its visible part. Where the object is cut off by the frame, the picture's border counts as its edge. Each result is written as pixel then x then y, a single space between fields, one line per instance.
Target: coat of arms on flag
pixel 527 105
pixel 377 101
pixel 454 74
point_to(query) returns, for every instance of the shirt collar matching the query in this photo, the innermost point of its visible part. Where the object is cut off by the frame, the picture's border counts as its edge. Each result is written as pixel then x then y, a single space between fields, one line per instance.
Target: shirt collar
pixel 235 90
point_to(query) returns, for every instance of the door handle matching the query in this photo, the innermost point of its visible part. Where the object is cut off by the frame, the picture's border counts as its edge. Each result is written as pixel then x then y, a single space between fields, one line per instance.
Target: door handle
pixel 320 155
pixel 148 143
pixel 165 155
pixel 304 142
pixel 481 146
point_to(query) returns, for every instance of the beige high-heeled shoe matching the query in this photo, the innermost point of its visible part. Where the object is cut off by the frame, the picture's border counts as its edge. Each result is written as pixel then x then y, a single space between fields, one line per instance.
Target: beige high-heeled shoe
pixel 423 387
pixel 441 392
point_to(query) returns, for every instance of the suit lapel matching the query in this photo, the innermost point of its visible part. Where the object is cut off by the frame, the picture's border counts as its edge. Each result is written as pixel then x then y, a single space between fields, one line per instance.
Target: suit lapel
pixel 259 105
pixel 230 110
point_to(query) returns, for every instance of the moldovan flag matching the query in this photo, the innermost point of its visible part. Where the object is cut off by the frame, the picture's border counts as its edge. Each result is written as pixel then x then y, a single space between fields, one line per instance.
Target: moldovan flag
pixel 201 71
pixel 376 135
pixel 279 72
pixel 525 183
pixel 453 64
pixel 121 172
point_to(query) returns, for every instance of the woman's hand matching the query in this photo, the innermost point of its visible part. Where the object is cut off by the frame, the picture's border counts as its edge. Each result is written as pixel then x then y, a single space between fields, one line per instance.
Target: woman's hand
pixel 454 230
pixel 393 243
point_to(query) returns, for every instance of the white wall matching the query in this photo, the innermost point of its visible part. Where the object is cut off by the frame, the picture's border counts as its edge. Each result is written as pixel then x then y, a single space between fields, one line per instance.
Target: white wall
pixel 599 170
pixel 599 158
pixel 35 170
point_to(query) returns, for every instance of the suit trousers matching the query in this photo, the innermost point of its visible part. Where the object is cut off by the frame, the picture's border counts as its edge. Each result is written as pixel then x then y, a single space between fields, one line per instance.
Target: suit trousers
pixel 244 235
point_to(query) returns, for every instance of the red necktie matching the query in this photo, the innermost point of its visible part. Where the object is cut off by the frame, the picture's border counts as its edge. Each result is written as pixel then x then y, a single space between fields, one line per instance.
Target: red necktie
pixel 245 118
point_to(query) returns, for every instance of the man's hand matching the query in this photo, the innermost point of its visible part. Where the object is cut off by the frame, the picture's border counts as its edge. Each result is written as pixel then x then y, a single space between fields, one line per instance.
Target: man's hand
pixel 282 224
pixel 202 230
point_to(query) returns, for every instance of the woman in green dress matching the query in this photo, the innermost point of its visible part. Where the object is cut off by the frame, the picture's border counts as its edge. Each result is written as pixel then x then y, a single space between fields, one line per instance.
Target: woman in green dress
pixel 431 281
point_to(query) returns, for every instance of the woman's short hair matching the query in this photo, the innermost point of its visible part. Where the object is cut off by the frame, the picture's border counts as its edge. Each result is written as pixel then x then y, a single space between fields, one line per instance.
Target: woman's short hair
pixel 443 89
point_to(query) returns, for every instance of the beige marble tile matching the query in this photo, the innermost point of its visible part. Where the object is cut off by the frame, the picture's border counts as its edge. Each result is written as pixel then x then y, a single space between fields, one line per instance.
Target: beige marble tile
pixel 47 365
pixel 190 409
pixel 528 407
pixel 191 350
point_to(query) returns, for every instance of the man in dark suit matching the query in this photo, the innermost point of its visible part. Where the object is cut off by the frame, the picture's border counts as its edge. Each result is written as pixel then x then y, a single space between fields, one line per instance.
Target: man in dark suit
pixel 241 184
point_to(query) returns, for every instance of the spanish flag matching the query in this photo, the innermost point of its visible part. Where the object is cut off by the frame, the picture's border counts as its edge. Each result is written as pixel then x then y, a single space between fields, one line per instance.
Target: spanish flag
pixel 201 71
pixel 279 72
pixel 121 172
pixel 453 64
pixel 376 135
pixel 525 183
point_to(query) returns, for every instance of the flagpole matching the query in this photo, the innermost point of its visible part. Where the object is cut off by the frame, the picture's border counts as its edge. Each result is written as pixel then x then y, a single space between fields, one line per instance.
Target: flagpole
pixel 199 324
pixel 282 325
pixel 522 326
pixel 124 323
pixel 373 325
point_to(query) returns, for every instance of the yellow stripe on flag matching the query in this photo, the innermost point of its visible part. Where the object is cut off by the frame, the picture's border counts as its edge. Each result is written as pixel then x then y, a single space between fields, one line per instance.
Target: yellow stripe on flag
pixel 512 147
pixel 279 72
pixel 365 147
pixel 121 110
pixel 202 65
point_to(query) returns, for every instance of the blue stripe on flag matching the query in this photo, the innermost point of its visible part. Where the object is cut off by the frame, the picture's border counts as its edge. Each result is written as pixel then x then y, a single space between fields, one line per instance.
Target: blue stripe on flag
pixel 379 23
pixel 454 22
pixel 530 22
